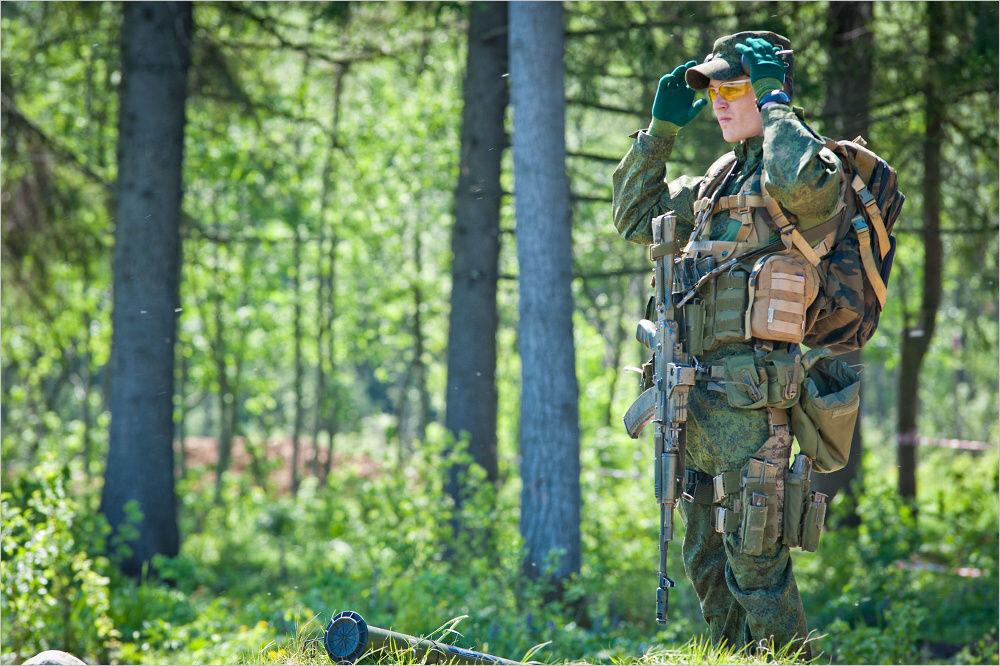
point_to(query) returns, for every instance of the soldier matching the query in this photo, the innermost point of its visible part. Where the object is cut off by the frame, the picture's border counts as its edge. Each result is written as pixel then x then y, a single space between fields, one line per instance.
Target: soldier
pixel 745 584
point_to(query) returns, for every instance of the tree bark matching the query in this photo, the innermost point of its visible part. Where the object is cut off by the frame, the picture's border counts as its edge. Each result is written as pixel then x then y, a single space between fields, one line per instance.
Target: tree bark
pixel 550 445
pixel 475 244
pixel 227 396
pixel 848 85
pixel 419 366
pixel 156 43
pixel 299 418
pixel 917 339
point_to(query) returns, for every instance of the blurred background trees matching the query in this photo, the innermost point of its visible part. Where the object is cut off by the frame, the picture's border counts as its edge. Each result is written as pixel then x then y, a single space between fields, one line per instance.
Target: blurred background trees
pixel 347 220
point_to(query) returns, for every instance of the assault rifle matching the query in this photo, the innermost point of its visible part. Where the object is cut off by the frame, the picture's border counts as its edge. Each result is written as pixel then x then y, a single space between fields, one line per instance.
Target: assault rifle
pixel 665 403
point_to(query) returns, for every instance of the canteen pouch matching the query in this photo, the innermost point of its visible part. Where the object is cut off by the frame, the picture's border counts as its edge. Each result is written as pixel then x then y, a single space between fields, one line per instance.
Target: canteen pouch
pixel 796 496
pixel 812 524
pixel 823 419
pixel 781 287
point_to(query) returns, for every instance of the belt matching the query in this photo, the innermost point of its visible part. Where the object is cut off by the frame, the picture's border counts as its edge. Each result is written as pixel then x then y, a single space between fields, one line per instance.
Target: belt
pixel 702 488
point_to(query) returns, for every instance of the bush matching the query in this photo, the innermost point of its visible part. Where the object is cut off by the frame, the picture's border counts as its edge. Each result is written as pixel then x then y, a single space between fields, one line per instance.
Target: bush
pixel 55 578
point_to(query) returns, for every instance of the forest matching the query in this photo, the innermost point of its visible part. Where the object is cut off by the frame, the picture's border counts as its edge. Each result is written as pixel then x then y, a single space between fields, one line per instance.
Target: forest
pixel 303 302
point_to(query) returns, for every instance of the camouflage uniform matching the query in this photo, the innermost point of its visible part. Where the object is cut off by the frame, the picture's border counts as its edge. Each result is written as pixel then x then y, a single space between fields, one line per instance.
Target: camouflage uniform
pixel 743 597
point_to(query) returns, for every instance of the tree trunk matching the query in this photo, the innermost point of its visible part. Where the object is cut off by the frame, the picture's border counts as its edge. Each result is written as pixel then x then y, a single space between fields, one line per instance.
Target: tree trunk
pixel 329 184
pixel 917 339
pixel 550 443
pixel 156 43
pixel 419 367
pixel 180 427
pixel 226 392
pixel 299 417
pixel 848 85
pixel 475 244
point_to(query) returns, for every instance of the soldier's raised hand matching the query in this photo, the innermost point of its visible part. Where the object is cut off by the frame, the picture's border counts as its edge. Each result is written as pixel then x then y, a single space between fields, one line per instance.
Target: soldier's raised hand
pixel 763 63
pixel 674 102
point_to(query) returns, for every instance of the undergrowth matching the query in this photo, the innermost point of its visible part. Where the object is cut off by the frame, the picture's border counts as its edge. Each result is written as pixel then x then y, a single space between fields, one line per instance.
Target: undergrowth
pixel 261 573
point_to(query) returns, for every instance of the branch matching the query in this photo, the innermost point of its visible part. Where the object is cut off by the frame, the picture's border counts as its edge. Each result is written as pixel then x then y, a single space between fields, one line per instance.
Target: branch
pixel 312 50
pixel 946 232
pixel 8 106
pixel 267 24
pixel 617 29
pixel 593 156
pixel 589 198
pixel 603 107
pixel 619 272
pixel 902 99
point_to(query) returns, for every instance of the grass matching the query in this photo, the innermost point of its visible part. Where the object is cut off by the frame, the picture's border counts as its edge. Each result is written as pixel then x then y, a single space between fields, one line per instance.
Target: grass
pixel 306 647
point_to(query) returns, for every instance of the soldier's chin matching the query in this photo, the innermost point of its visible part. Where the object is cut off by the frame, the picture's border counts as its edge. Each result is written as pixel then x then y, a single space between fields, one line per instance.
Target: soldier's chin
pixel 728 135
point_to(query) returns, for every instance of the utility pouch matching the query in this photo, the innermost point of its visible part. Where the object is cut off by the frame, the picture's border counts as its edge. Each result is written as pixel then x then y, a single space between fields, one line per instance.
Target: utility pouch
pixel 796 494
pixel 823 420
pixel 754 524
pixel 730 303
pixel 781 287
pixel 759 497
pixel 746 385
pixel 812 525
pixel 694 321
pixel 784 378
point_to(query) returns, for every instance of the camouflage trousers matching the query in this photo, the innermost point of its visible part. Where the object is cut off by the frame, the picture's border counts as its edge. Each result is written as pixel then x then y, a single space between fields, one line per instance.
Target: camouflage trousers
pixel 744 598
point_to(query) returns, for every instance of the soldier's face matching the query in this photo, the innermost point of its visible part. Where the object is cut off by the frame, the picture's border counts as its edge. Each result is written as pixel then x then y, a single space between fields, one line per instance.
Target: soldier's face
pixel 738 118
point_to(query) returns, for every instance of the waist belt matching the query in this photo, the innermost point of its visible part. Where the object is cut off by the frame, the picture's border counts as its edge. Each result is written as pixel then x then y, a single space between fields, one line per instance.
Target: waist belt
pixel 704 489
pixel 709 373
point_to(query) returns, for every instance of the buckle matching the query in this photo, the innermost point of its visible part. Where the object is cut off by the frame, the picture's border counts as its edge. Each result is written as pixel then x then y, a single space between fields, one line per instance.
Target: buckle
pixel 718 488
pixel 720 520
pixel 742 205
pixel 691 480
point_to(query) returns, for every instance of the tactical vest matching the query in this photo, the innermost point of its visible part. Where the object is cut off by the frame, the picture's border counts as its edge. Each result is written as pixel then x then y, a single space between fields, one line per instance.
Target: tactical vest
pixel 762 298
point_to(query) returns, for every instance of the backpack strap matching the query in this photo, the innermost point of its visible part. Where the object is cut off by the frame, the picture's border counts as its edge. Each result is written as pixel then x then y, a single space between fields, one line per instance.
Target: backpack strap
pixel 790 235
pixel 711 189
pixel 738 201
pixel 868 258
pixel 874 214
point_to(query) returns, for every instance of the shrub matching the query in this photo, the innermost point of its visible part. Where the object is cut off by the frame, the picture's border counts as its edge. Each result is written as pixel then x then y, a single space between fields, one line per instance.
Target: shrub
pixel 55 578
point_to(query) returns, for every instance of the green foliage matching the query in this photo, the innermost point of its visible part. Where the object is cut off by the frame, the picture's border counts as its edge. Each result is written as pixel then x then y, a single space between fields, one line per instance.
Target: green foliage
pixel 366 186
pixel 261 574
pixel 891 643
pixel 891 586
pixel 55 577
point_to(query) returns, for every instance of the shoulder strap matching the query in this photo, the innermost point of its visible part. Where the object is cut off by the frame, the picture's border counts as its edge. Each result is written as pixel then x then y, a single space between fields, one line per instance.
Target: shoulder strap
pixel 716 174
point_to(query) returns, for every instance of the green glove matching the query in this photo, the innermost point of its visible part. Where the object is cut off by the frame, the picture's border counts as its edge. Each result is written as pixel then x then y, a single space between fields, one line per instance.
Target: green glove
pixel 767 71
pixel 673 105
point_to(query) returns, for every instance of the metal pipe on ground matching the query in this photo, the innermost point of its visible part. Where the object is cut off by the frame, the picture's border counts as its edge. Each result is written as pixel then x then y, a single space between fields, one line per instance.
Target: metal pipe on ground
pixel 348 638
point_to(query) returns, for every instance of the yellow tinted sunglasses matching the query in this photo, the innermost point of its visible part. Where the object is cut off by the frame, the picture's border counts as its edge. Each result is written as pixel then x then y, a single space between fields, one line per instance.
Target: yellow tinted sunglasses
pixel 730 90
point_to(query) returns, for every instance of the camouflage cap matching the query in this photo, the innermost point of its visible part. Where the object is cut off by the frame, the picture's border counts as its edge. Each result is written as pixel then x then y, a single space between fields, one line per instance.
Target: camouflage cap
pixel 724 60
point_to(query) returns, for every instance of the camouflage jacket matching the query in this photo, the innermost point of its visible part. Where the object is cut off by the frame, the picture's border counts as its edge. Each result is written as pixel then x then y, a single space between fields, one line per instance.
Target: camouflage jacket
pixel 802 175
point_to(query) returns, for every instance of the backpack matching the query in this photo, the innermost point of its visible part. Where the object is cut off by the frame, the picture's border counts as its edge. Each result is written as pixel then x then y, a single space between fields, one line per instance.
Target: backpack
pixel 854 249
pixel 855 273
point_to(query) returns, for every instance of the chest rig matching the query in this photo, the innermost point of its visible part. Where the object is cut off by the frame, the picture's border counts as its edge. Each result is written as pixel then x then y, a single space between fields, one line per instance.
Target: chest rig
pixel 728 307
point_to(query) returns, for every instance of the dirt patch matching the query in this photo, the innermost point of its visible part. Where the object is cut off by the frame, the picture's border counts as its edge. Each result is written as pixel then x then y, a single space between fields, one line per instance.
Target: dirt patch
pixel 202 453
